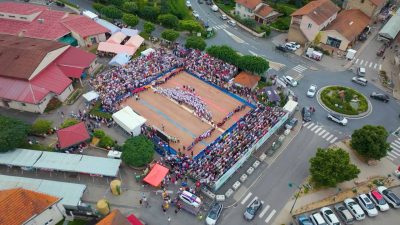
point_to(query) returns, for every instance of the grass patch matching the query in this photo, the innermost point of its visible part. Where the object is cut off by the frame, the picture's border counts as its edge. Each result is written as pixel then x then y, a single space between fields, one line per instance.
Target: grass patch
pixel 139 51
pixel 344 103
pixel 225 7
pixel 282 23
pixel 96 111
pixel 74 96
pixel 39 147
pixel 53 104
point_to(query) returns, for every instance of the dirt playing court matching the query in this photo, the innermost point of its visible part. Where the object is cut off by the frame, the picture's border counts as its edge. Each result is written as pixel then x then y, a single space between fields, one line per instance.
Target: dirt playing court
pixel 178 121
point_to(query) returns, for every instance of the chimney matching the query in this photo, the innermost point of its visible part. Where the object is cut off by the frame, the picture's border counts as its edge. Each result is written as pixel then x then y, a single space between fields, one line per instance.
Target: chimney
pixel 40 20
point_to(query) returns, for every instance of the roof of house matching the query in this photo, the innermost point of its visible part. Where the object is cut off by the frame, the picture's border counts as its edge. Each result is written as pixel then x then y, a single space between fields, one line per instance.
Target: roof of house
pixel 83 26
pixel 19 205
pixel 264 10
pixel 74 61
pixel 250 4
pixel 114 218
pixel 19 8
pixel 246 79
pixel 72 135
pixel 378 2
pixel 350 23
pixel 319 11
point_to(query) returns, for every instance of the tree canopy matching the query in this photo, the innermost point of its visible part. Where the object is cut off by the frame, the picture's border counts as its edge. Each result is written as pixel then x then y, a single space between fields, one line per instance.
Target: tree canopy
pixel 13 133
pixel 148 27
pixel 168 20
pixel 330 167
pixel 111 12
pixel 224 53
pixel 130 19
pixel 253 64
pixel 149 13
pixel 370 142
pixel 170 35
pixel 190 25
pixel 41 126
pixel 137 151
pixel 196 43
pixel 130 7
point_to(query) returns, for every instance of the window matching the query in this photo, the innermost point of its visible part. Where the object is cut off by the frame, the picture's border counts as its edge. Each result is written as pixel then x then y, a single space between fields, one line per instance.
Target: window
pixel 333 42
pixel 23 18
pixel 309 25
pixel 11 16
pixel 23 104
pixel 1 14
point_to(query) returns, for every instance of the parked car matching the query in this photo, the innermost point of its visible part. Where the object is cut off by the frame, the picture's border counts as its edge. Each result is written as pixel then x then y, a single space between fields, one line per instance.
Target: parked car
pixel 291 124
pixel 281 48
pixel 391 198
pixel 200 1
pixel 360 80
pixel 214 8
pixel 312 90
pixel 190 199
pixel 329 216
pixel 361 71
pixel 290 47
pixel 306 114
pixel 295 44
pixel 317 219
pixel 214 213
pixel 290 80
pixel 378 200
pixel 304 220
pixel 354 209
pixel 196 15
pixel 380 96
pixel 344 214
pixel 232 23
pixel 209 2
pixel 252 209
pixel 367 205
pixel 338 119
pixel 224 17
pixel 188 4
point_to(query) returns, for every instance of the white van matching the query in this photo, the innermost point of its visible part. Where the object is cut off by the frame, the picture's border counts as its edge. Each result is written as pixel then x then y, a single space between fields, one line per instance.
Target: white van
pixel 214 8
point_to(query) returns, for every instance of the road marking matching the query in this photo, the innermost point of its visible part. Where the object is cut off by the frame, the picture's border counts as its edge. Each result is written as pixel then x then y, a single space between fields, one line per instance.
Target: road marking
pixel 234 37
pixel 366 63
pixel 357 60
pixel 322 132
pixel 333 140
pixel 397 141
pixel 370 64
pixel 390 158
pixel 264 211
pixel 314 128
pixel 309 126
pixel 394 152
pixel 393 156
pixel 362 60
pixel 246 198
pixel 270 216
pixel 375 66
pixel 317 130
pixel 253 53
pixel 306 124
pixel 327 133
pixel 394 144
pixel 380 66
pixel 329 138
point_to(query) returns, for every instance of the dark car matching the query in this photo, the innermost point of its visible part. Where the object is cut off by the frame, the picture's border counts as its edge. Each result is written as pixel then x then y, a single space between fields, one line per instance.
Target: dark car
pixel 252 209
pixel 291 124
pixel 306 113
pixel 304 220
pixel 200 1
pixel 281 48
pixel 214 213
pixel 380 96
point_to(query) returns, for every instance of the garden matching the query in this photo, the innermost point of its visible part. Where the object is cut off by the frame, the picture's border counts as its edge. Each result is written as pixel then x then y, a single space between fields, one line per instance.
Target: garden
pixel 344 100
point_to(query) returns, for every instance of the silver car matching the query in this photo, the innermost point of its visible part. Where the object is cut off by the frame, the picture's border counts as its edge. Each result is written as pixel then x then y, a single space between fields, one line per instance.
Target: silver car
pixel 312 90
pixel 252 209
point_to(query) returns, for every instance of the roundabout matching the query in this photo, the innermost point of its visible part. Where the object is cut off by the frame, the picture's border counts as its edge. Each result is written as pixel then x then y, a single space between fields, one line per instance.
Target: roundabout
pixel 345 101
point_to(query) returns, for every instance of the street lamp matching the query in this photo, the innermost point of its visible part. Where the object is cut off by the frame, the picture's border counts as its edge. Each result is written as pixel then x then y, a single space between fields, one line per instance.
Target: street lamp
pixel 297 195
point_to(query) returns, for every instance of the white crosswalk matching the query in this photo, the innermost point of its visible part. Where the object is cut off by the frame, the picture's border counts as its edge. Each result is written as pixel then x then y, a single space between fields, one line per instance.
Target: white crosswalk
pixel 220 26
pixel 367 64
pixel 395 152
pixel 299 68
pixel 320 131
pixel 265 212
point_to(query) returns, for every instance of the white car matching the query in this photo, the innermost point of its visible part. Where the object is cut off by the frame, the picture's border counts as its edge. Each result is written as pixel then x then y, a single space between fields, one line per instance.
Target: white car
pixel 338 119
pixel 195 14
pixel 391 198
pixel 290 47
pixel 214 213
pixel 290 80
pixel 312 90
pixel 214 8
pixel 232 23
pixel 329 216
pixel 190 199
pixel 224 17
pixel 188 4
pixel 354 209
pixel 379 201
pixel 294 44
pixel 367 205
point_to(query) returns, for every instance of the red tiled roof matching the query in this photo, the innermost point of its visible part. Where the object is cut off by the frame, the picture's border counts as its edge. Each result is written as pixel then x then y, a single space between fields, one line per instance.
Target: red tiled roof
pixel 53 79
pixel 114 218
pixel 264 10
pixel 246 79
pixel 319 11
pixel 250 4
pixel 72 135
pixel 75 60
pixel 19 205
pixel 350 23
pixel 378 2
pixel 83 26
pixel 20 8
pixel 21 91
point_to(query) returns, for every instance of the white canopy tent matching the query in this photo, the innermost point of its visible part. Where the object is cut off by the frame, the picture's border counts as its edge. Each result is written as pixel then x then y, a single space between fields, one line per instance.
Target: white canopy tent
pixel 147 52
pixel 128 120
pixel 120 59
pixel 290 106
pixel 90 14
pixel 90 96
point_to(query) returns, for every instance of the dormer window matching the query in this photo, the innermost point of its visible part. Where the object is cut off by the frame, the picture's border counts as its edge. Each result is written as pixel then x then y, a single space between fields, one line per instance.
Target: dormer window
pixel 309 25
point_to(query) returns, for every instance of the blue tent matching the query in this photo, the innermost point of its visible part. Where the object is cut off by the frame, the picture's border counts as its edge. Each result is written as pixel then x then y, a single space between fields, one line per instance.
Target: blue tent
pixel 120 59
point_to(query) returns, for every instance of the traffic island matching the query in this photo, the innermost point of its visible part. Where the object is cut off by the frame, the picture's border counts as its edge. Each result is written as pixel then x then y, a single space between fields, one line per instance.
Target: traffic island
pixel 344 101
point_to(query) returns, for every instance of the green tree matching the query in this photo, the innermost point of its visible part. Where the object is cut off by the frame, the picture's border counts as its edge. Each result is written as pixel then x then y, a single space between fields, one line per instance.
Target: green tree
pixel 248 22
pixel 99 133
pixel 266 29
pixel 164 7
pixel 117 3
pixel 330 167
pixel 69 122
pixel 106 141
pixel 190 25
pixel 370 142
pixel 170 35
pixel 253 64
pixel 168 20
pixel 196 43
pixel 225 53
pixel 149 13
pixel 130 19
pixel 130 7
pixel 148 27
pixel 41 126
pixel 13 133
pixel 111 12
pixel 98 7
pixel 137 151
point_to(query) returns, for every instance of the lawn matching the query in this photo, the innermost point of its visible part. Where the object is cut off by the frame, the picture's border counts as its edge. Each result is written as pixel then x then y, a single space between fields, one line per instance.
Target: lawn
pixel 344 100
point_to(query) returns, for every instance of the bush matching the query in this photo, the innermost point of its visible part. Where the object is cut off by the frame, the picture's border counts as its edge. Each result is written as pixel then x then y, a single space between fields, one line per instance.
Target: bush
pixel 96 111
pixel 285 10
pixel 99 133
pixel 130 7
pixel 98 7
pixel 282 23
pixel 69 122
pixel 248 22
pixel 149 13
pixel 137 151
pixel 266 29
pixel 330 98
pixel 13 133
pixel 53 104
pixel 41 126
pixel 195 43
pixel 106 141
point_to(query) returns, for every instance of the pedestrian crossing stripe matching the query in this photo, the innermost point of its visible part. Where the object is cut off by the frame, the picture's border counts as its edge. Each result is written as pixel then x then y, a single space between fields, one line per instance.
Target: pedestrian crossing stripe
pixel 264 211
pixel 366 63
pixel 299 68
pixel 322 132
pixel 333 140
pixel 270 216
pixel 390 158
pixel 329 138
pixel 325 135
pixel 222 26
pixel 390 154
pixel 246 198
pixel 397 141
pixel 317 130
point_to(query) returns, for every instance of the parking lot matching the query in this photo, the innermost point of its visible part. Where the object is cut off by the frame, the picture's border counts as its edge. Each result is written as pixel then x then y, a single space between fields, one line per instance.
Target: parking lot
pixel 390 217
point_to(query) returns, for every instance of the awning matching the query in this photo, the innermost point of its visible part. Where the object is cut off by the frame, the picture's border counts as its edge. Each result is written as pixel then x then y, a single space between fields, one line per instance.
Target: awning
pixel 90 14
pixel 133 220
pixel 120 59
pixel 72 135
pixel 107 25
pixel 116 48
pixel 128 120
pixel 130 32
pixel 90 96
pixel 147 51
pixel 116 38
pixel 156 175
pixel 135 41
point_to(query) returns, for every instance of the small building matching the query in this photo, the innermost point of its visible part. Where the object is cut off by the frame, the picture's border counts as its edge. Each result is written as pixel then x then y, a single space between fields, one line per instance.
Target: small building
pixel 345 29
pixel 266 14
pixel 72 135
pixel 19 206
pixel 309 20
pixel 247 80
pixel 257 10
pixel 390 31
pixel 371 8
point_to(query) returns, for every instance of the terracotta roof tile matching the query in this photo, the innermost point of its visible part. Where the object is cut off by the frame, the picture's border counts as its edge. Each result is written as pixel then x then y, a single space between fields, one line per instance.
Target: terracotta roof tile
pixel 83 26
pixel 20 8
pixel 319 11
pixel 350 23
pixel 246 79
pixel 114 218
pixel 264 10
pixel 379 2
pixel 18 205
pixel 72 135
pixel 250 4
